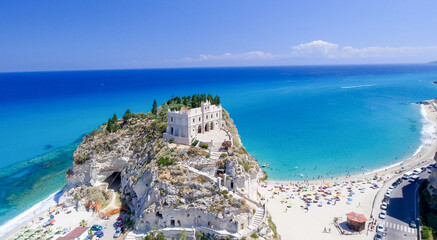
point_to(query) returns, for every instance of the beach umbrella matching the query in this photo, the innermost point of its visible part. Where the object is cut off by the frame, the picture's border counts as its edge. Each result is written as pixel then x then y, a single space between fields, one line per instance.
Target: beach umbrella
pixel 350 199
pixel 308 204
pixel 52 221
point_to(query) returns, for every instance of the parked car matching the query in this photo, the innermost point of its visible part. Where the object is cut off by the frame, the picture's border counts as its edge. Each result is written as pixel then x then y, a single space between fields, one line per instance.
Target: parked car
pixel 99 233
pixel 119 223
pixel 413 178
pixel 387 194
pixel 96 228
pixel 413 224
pixel 380 228
pixel 384 206
pixel 407 175
pixel 431 165
pixel 117 232
pixel 391 187
pixel 378 236
pixel 417 171
pixel 382 214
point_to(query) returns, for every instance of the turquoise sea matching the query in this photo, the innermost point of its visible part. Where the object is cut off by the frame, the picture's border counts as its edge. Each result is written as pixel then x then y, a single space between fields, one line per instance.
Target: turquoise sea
pixel 304 121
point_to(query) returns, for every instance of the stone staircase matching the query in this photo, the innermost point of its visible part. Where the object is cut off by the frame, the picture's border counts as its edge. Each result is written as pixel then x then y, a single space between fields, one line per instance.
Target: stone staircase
pixel 215 155
pixel 257 219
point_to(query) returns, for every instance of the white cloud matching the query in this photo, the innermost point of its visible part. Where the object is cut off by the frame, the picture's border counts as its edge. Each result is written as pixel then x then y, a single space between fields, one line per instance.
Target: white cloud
pixel 316 48
pixel 254 55
pixel 322 49
pixel 316 52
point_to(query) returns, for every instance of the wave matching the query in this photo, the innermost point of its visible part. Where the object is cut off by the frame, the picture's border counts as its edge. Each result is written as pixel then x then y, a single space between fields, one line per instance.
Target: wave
pixel 428 134
pixel 427 138
pixel 358 86
pixel 30 213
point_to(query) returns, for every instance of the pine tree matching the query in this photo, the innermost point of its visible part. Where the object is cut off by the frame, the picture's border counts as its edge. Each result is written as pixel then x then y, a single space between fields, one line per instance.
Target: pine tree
pixel 155 107
pixel 203 97
pixel 113 124
pixel 127 115
pixel 217 100
pixel 109 125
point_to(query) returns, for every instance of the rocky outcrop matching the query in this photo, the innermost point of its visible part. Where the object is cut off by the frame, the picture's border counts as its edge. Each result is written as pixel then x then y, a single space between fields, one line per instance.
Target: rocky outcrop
pixel 167 185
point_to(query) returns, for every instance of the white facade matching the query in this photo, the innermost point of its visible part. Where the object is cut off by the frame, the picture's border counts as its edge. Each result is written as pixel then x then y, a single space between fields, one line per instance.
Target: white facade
pixel 185 125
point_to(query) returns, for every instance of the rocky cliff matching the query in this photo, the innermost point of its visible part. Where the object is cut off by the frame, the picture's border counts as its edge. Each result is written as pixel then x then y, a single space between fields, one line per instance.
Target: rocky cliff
pixel 166 185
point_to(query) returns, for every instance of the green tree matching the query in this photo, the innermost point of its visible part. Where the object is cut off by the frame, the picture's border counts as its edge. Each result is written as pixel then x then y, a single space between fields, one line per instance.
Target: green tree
pixel 210 99
pixel 154 107
pixel 83 223
pixel 203 97
pixel 216 100
pixel 127 115
pixel 113 124
pixel 109 125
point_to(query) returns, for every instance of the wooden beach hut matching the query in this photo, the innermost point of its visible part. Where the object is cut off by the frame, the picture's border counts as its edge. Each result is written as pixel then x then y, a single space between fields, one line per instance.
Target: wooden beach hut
pixel 356 221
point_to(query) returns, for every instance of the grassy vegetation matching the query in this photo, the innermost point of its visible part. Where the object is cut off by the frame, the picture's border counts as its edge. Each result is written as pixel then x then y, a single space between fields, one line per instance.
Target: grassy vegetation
pixel 245 165
pixel 273 227
pixel 195 143
pixel 165 161
pixel 254 236
pixel 204 146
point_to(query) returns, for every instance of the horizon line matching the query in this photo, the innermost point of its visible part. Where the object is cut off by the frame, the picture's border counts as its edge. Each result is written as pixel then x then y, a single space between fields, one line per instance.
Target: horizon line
pixel 217 67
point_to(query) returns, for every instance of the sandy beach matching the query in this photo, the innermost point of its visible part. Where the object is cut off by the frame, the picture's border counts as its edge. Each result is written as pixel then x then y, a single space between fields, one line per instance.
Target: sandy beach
pixel 300 209
pixel 307 218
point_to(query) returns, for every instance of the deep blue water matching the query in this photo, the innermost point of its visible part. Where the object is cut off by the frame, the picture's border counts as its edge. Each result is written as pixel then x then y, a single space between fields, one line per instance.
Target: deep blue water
pixel 287 116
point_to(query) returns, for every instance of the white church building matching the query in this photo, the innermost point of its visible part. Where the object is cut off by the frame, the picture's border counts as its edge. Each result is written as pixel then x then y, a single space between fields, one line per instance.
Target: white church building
pixel 203 123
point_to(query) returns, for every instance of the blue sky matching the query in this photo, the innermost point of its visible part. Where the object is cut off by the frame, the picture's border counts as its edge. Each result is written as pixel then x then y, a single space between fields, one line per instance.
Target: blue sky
pixel 70 35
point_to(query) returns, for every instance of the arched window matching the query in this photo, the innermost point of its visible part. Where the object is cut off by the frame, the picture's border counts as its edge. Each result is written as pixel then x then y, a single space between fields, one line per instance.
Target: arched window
pixel 199 129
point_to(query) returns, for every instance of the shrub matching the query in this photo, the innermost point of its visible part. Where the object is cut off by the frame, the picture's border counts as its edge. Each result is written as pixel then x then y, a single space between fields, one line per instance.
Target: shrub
pixel 165 161
pixel 204 146
pixel 171 140
pixel 254 235
pixel 426 233
pixel 208 156
pixel 195 143
pixel 273 227
pixel 226 145
pixel 223 155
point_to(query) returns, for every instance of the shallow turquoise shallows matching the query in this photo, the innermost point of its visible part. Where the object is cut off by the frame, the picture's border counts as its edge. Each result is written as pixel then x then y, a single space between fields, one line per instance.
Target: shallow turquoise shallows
pixel 305 122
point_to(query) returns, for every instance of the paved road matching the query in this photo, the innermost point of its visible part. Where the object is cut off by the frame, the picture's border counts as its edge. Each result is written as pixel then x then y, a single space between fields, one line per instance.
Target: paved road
pixel 108 227
pixel 402 210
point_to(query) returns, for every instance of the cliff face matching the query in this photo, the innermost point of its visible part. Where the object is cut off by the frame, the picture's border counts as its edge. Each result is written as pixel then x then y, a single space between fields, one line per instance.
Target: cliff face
pixel 168 185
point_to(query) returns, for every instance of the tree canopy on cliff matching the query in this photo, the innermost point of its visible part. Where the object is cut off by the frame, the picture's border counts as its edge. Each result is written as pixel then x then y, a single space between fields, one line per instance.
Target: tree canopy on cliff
pixel 194 101
pixel 113 124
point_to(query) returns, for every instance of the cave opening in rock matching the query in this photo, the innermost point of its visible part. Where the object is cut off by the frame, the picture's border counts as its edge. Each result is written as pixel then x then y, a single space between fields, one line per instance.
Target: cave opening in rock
pixel 114 181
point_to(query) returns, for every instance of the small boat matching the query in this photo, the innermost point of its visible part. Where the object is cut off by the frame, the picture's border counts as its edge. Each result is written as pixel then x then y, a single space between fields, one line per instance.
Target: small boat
pixel 265 164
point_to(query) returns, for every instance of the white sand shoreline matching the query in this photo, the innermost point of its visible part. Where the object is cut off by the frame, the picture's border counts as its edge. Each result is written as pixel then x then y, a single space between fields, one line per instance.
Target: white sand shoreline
pixel 423 148
pixel 294 222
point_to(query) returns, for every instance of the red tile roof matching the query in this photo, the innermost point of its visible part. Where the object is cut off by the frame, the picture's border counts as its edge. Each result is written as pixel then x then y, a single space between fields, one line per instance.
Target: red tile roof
pixel 73 234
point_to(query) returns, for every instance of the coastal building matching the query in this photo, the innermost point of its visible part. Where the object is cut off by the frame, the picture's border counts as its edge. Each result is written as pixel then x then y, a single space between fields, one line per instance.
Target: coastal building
pixel 204 123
